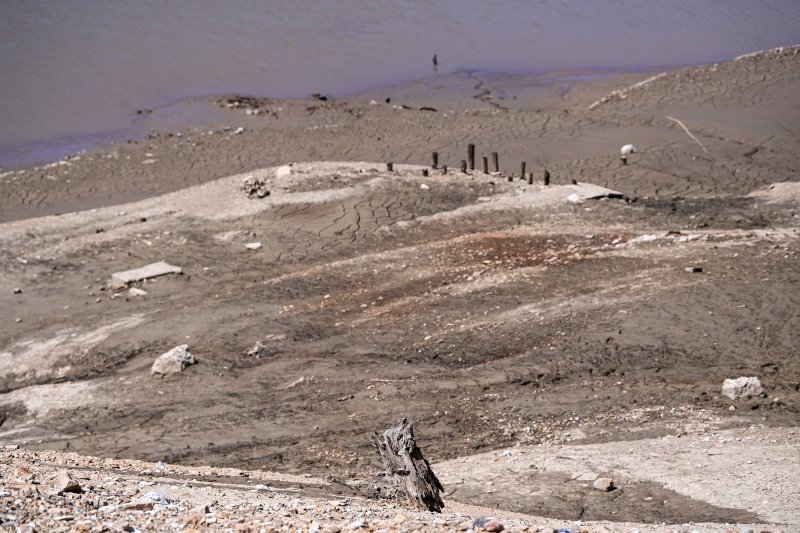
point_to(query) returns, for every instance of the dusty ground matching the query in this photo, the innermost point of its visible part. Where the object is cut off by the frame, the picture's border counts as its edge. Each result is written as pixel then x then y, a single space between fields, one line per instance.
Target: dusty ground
pixel 494 313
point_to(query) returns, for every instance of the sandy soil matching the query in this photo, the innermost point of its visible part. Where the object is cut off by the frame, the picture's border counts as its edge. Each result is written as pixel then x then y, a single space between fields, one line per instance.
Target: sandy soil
pixel 566 339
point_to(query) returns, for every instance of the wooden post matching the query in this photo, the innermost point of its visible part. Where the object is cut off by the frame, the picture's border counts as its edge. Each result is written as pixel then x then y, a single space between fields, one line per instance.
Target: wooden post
pixel 485 164
pixel 522 170
pixel 530 178
pixel 471 156
pixel 444 169
pixel 463 166
pixel 546 177
pixel 407 468
pixel 389 167
pixel 495 163
pixel 435 160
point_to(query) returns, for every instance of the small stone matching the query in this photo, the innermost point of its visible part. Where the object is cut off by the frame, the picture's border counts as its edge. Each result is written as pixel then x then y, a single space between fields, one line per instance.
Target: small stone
pixel 694 269
pixel 487 524
pixel 605 484
pixel 253 245
pixel 732 408
pixel 64 483
pixel 742 387
pixel 255 187
pixel 154 496
pixel 493 526
pixel 200 510
pixel 283 172
pixel 17 291
pixel 134 291
pixel 400 518
pixel 174 361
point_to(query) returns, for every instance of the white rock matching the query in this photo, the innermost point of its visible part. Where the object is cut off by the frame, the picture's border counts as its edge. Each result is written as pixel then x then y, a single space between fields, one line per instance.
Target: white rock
pixel 238 131
pixel 574 198
pixel 154 496
pixel 173 361
pixel 424 187
pixel 253 245
pixel 604 484
pixel 134 291
pixel 628 149
pixel 743 387
pixel 283 171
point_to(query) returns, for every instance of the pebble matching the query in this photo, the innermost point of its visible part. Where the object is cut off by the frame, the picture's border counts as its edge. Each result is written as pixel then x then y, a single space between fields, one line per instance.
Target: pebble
pixel 64 483
pixel 605 484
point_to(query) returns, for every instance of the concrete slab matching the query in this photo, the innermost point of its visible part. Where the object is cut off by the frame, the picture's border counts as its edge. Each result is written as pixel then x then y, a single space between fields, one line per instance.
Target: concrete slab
pixel 121 279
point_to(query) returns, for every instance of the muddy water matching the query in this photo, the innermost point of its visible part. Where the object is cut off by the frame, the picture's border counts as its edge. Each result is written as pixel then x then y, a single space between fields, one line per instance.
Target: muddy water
pixel 75 70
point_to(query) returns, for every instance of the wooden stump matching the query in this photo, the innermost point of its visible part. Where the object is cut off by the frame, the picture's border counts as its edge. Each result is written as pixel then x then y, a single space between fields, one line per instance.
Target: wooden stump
pixel 471 156
pixel 406 466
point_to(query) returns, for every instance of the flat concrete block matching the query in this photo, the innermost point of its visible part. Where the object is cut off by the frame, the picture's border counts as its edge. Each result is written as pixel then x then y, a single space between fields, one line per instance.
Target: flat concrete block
pixel 121 279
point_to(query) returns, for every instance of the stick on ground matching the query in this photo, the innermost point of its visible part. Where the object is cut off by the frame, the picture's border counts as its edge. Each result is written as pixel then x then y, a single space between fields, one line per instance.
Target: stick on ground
pixel 689 133
pixel 406 466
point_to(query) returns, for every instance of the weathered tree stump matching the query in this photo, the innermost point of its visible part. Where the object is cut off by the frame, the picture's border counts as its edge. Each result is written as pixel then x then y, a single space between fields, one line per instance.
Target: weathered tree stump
pixel 406 466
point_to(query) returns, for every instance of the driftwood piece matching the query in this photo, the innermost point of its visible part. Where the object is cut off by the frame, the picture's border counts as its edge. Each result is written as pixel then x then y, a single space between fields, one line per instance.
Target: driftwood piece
pixel 406 466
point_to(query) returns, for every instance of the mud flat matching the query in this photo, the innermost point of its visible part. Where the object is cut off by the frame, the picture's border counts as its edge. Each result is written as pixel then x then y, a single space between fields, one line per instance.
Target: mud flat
pixel 541 337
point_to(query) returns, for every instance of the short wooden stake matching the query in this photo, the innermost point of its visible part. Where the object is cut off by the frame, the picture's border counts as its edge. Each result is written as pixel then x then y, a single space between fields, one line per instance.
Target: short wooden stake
pixel 471 156
pixel 389 167
pixel 546 177
pixel 463 166
pixel 510 177
pixel 435 160
pixel 530 178
pixel 425 172
pixel 444 169
pixel 485 164
pixel 495 162
pixel 522 170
